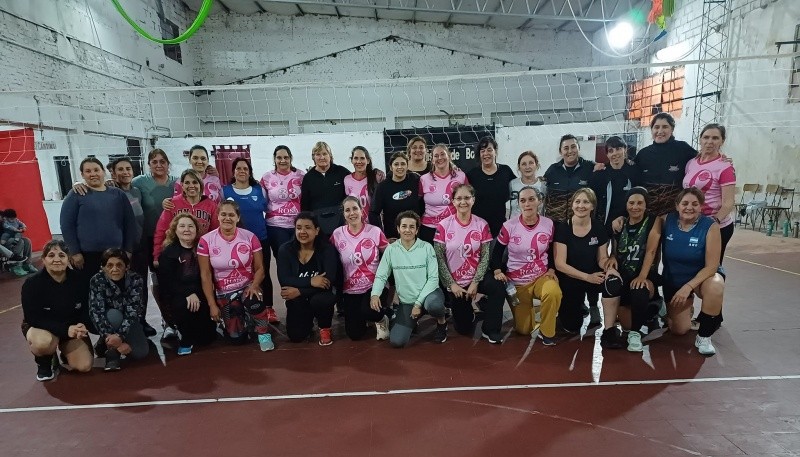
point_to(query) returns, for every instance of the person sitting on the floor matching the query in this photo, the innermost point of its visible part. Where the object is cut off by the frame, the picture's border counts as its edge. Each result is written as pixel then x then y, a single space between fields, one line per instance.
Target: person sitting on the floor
pixel 114 302
pixel 52 301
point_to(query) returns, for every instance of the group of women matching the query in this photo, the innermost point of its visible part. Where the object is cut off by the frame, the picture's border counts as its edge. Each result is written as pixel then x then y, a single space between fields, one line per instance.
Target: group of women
pixel 436 241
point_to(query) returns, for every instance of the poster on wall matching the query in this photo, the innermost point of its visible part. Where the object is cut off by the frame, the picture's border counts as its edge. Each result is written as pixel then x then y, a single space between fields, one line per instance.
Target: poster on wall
pixel 461 139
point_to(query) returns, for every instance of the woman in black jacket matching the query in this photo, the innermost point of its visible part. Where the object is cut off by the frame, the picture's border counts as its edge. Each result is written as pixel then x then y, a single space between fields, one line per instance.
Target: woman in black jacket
pixel 52 305
pixel 308 269
pixel 181 285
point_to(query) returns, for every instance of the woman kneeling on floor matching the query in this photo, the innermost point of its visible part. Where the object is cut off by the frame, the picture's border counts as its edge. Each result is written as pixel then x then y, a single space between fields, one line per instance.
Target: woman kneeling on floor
pixel 627 283
pixel 308 268
pixel 52 304
pixel 413 263
pixel 691 245
pixel 114 307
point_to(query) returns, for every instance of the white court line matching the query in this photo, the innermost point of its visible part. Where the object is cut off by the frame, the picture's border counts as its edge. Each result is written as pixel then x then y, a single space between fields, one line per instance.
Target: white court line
pixel 762 265
pixel 375 393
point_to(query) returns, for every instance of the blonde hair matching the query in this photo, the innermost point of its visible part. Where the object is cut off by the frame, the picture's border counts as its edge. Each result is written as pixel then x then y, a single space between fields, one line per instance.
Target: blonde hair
pixel 449 160
pixel 320 146
pixel 171 237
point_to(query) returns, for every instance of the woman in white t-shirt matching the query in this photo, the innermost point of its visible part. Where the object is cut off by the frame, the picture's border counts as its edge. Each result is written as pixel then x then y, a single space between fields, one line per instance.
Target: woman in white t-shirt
pixel 528 165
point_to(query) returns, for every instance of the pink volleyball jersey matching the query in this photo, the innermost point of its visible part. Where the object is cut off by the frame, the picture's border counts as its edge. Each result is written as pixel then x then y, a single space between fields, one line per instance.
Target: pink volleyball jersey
pixel 231 261
pixel 358 188
pixel 527 248
pixel 212 188
pixel 710 177
pixel 462 245
pixel 360 254
pixel 436 194
pixel 283 193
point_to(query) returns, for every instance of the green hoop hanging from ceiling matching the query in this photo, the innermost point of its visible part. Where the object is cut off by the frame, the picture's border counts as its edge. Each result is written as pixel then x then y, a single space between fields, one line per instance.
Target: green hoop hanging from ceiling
pixel 205 9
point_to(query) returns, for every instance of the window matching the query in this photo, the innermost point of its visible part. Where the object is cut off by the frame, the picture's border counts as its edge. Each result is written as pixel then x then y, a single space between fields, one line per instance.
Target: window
pixel 64 174
pixel 135 153
pixel 794 82
pixel 662 92
pixel 170 30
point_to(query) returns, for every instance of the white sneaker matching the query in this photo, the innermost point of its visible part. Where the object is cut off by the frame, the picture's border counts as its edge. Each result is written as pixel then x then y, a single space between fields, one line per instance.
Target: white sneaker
pixel 635 342
pixel 382 329
pixel 704 345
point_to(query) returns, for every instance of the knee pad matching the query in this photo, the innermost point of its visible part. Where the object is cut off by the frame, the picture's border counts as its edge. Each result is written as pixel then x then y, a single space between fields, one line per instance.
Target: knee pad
pixel 708 324
pixel 254 306
pixel 612 286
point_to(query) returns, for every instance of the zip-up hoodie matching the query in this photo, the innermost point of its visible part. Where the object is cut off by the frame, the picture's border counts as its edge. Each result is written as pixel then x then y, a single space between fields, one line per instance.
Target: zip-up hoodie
pixel 415 270
pixel 205 211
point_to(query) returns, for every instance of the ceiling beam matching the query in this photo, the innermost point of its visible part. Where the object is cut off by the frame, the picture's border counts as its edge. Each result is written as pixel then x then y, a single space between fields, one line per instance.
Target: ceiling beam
pixel 423 9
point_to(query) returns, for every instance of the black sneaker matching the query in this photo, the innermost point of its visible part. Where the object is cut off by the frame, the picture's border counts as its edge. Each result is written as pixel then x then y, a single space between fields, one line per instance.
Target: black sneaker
pixel 148 329
pixel 440 336
pixel 112 360
pixel 46 369
pixel 100 347
pixel 492 337
pixel 611 339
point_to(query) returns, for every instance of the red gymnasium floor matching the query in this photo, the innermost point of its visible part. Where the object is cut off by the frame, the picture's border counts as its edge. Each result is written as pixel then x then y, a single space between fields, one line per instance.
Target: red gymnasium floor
pixel 464 398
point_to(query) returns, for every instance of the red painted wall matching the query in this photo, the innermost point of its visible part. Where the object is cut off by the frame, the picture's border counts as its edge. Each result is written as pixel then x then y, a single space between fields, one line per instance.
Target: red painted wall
pixel 21 184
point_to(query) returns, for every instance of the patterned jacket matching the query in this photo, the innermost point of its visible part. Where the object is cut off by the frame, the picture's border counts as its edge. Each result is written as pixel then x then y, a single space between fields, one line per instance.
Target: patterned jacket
pixel 104 295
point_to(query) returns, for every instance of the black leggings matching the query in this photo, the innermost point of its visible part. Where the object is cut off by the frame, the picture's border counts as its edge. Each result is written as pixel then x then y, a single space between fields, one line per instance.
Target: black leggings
pixel 464 315
pixel 726 233
pixel 301 312
pixel 639 302
pixel 266 283
pixel 357 313
pixel 573 292
pixel 195 327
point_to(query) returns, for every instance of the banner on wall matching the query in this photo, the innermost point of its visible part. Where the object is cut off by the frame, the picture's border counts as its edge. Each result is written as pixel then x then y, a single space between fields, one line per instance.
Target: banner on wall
pixel 461 139
pixel 224 154
pixel 21 185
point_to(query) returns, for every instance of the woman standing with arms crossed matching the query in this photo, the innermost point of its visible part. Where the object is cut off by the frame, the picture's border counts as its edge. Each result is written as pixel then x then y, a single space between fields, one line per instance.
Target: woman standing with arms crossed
pixel 360 246
pixel 462 245
pixel 252 200
pixel 435 189
pixel 528 239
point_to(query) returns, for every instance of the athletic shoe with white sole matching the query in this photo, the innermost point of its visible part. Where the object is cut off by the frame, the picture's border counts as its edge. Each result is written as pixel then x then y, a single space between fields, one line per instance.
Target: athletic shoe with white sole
pixel 635 342
pixel 382 329
pixel 265 342
pixel 704 345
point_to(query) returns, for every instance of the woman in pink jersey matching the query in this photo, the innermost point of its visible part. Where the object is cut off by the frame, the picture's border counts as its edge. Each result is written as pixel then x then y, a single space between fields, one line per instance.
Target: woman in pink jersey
pixel 232 268
pixel 462 244
pixel 528 239
pixel 191 201
pixel 360 246
pixel 199 161
pixel 308 269
pixel 361 182
pixel 435 189
pixel 715 177
pixel 282 186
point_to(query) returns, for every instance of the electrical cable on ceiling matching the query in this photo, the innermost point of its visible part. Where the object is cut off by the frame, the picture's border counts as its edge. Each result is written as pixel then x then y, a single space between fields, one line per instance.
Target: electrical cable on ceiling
pixel 205 9
pixel 615 55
